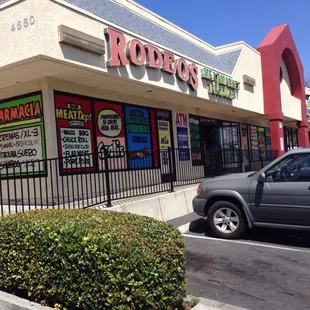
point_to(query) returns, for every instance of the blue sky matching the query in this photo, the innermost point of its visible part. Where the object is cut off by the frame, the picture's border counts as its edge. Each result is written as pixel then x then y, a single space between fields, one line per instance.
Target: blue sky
pixel 220 22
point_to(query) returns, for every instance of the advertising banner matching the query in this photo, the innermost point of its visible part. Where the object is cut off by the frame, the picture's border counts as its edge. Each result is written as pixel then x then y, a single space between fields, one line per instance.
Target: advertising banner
pixel 138 132
pixel 254 143
pixel 154 136
pixel 110 134
pixel 74 133
pixel 194 128
pixel 22 138
pixel 164 143
pixel 164 134
pixel 244 139
pixel 182 135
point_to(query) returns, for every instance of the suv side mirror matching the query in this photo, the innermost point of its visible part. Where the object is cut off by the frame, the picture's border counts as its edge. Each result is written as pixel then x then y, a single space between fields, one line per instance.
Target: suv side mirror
pixel 261 177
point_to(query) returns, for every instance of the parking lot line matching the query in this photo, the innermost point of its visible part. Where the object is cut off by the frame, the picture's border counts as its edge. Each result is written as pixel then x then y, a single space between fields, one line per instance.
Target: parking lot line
pixel 247 243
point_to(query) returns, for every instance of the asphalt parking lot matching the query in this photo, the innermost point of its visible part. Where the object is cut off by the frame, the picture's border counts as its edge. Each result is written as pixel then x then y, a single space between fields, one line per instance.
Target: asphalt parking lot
pixel 267 269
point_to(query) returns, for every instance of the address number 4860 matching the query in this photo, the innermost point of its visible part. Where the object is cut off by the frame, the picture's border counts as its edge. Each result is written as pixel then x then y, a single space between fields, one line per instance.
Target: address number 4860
pixel 26 22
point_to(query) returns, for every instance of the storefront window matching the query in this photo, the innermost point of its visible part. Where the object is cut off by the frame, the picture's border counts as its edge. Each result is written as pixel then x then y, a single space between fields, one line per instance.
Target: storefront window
pixel 268 144
pixel 254 143
pixel 291 138
pixel 262 142
pixel 195 138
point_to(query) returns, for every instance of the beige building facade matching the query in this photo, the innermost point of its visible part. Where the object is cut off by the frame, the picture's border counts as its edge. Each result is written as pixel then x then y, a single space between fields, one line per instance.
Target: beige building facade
pixel 81 77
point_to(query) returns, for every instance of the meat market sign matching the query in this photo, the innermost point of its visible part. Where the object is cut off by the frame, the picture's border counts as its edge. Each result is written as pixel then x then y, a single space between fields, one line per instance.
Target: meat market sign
pixel 220 85
pixel 121 53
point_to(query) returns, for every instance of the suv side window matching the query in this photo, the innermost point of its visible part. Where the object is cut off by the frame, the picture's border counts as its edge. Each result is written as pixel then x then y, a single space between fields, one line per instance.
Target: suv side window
pixel 293 168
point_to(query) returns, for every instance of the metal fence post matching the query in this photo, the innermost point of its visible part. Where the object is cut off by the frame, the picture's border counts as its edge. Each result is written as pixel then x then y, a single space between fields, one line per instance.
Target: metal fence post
pixel 250 159
pixel 107 177
pixel 170 170
pixel 261 158
pixel 240 160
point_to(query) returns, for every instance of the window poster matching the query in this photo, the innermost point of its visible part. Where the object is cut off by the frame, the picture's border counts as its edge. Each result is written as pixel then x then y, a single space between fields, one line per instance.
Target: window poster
pixel 244 138
pixel 262 142
pixel 194 128
pixel 182 135
pixel 22 138
pixel 164 138
pixel 254 143
pixel 74 133
pixel 268 144
pixel 110 135
pixel 282 143
pixel 138 132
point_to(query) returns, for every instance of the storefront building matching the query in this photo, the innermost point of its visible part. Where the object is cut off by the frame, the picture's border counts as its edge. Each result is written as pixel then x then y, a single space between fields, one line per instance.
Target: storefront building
pixel 80 77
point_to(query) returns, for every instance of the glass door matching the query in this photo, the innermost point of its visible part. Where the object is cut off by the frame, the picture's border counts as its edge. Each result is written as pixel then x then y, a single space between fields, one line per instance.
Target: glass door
pixel 229 140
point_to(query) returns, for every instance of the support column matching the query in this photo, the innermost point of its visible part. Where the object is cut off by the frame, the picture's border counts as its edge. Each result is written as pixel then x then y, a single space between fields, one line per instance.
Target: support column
pixel 303 135
pixel 277 135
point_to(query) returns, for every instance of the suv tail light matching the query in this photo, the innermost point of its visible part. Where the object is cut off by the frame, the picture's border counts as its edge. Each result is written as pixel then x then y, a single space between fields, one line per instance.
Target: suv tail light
pixel 198 191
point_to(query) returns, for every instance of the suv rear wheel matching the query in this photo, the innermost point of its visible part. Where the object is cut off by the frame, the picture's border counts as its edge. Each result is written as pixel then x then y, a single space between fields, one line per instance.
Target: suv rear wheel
pixel 226 220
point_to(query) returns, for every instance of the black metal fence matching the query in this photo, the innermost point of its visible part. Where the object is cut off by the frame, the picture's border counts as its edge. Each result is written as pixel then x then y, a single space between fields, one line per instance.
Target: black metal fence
pixel 87 180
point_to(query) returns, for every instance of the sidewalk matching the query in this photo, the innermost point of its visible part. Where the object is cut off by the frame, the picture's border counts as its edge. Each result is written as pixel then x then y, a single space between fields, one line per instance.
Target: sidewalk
pixel 209 304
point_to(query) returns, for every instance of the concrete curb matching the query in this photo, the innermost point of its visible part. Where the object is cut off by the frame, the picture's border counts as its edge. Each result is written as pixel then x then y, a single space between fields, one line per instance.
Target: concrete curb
pixel 12 302
pixel 164 207
pixel 209 304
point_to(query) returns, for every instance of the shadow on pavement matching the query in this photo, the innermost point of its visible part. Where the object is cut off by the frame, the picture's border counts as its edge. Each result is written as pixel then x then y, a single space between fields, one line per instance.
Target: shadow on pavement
pixel 198 226
pixel 279 237
pixel 263 235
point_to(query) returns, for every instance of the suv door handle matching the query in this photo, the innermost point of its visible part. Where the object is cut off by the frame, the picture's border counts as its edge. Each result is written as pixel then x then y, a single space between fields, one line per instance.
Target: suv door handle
pixel 309 188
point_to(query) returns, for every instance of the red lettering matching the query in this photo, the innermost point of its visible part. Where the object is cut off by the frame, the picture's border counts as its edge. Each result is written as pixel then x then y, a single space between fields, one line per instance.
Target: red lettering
pixel 27 109
pixel 136 52
pixel 193 77
pixel 1 116
pixel 182 70
pixel 21 112
pixel 116 48
pixel 37 109
pixel 6 115
pixel 14 113
pixel 169 66
pixel 154 57
pixel 181 119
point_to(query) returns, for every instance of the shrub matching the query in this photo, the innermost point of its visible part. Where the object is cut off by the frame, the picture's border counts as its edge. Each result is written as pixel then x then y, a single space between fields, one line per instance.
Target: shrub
pixel 89 259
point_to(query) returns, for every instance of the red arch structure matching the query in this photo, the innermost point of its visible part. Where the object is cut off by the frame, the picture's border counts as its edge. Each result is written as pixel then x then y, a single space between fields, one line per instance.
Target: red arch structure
pixel 278 44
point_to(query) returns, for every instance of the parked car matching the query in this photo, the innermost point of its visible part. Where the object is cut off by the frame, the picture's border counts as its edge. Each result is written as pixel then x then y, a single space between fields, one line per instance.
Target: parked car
pixel 277 196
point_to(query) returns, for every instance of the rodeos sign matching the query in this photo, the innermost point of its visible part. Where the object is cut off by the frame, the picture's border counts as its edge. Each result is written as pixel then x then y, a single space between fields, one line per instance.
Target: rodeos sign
pixel 121 53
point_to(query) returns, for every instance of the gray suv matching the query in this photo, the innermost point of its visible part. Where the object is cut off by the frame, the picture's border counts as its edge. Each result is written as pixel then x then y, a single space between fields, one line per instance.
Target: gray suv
pixel 277 196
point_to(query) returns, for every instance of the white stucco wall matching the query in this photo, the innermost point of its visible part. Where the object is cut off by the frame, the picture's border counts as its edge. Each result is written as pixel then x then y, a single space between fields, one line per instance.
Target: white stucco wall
pixel 290 105
pixel 249 63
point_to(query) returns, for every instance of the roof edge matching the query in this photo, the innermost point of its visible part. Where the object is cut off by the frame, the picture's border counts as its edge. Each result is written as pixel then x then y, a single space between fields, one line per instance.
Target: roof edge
pixel 8 3
pixel 234 44
pixel 167 21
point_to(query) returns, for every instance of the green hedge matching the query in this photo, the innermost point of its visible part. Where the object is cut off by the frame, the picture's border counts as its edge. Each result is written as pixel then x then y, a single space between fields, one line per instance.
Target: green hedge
pixel 88 259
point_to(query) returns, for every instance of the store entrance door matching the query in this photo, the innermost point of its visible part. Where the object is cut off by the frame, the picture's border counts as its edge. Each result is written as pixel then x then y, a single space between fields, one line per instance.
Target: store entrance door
pixel 212 154
pixel 230 146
